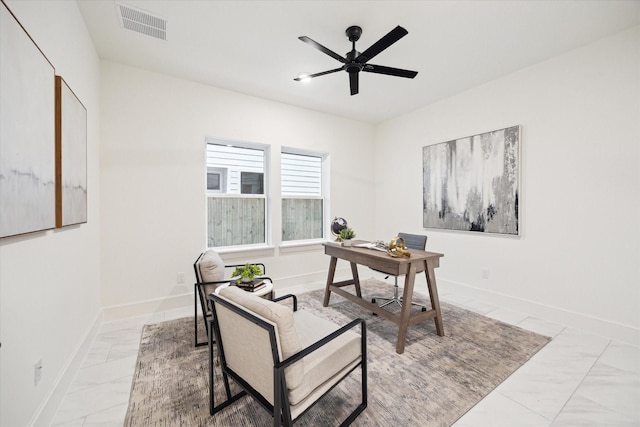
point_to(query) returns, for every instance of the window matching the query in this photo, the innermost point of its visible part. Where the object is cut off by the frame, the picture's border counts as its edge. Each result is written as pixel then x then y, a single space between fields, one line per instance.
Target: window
pixel 252 183
pixel 236 199
pixel 303 195
pixel 216 180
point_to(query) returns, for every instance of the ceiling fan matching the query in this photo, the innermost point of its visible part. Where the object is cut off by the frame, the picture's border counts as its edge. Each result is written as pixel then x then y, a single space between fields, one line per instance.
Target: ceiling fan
pixel 354 61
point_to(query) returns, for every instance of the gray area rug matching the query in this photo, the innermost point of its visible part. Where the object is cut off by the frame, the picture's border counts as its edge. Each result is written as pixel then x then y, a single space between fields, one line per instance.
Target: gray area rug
pixel 433 383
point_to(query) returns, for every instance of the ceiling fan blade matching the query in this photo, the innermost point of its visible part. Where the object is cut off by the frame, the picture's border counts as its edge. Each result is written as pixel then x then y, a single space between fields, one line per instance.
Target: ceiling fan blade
pixel 392 36
pixel 310 76
pixel 381 69
pixel 353 82
pixel 322 48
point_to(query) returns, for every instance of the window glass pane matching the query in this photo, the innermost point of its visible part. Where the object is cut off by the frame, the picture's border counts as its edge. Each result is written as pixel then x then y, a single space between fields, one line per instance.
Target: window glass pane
pixel 237 161
pixel 301 219
pixel 302 197
pixel 216 179
pixel 236 200
pixel 301 175
pixel 213 181
pixel 252 183
pixel 235 221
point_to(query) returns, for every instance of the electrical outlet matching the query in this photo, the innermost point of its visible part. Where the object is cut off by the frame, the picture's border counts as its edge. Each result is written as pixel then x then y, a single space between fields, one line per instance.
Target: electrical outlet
pixel 484 273
pixel 180 278
pixel 37 372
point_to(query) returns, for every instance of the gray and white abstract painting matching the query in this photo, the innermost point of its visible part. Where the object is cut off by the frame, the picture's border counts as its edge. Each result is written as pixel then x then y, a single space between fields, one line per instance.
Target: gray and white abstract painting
pixel 27 132
pixel 473 183
pixel 73 146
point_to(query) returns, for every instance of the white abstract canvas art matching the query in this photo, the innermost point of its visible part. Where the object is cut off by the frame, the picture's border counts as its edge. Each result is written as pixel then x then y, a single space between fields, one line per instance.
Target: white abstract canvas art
pixel 27 132
pixel 71 143
pixel 473 183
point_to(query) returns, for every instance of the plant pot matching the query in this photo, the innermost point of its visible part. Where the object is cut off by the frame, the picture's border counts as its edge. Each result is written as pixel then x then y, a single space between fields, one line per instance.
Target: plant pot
pixel 346 242
pixel 246 280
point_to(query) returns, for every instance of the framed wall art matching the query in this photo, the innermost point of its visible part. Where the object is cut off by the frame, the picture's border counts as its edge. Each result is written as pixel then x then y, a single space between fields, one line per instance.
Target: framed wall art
pixel 71 157
pixel 27 140
pixel 473 183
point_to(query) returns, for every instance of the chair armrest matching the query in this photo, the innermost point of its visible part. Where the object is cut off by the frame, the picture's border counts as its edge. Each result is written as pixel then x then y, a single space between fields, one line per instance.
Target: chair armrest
pixel 217 282
pixel 229 280
pixel 295 300
pixel 316 345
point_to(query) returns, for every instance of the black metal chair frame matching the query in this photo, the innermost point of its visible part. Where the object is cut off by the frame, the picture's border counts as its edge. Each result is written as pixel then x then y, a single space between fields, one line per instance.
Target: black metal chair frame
pixel 280 409
pixel 411 243
pixel 197 295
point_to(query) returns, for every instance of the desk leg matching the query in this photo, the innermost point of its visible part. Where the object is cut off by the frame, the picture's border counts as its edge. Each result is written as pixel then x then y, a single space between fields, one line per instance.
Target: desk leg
pixel 330 276
pixel 356 278
pixel 433 294
pixel 405 311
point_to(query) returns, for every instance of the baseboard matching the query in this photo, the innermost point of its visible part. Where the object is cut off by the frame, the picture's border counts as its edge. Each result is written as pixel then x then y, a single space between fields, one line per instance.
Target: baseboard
pixel 317 280
pixel 283 285
pixel 590 324
pixel 46 412
pixel 309 281
pixel 587 323
pixel 124 311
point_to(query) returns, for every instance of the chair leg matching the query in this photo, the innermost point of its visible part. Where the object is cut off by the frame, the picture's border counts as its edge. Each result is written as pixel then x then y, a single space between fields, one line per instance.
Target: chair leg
pixel 195 318
pixel 206 328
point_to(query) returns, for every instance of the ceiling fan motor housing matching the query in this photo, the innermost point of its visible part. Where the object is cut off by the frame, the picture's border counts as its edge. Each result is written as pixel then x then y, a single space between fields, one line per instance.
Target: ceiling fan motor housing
pixel 352 66
pixel 354 32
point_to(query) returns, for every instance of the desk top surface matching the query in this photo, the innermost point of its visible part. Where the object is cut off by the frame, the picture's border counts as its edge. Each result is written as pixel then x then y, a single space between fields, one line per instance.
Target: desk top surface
pixel 380 260
pixel 416 254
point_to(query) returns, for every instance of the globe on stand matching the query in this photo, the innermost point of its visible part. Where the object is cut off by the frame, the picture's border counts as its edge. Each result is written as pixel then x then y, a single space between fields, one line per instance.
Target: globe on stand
pixel 337 225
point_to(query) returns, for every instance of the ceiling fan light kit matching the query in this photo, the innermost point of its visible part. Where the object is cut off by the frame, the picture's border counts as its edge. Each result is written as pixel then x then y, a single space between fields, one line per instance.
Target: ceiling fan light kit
pixel 355 62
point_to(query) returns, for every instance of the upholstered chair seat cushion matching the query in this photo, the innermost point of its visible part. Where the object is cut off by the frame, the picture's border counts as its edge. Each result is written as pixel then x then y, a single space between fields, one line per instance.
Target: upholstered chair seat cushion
pixel 330 359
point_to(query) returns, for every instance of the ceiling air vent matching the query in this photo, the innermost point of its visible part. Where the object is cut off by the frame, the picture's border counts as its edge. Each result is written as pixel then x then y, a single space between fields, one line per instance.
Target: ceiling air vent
pixel 142 21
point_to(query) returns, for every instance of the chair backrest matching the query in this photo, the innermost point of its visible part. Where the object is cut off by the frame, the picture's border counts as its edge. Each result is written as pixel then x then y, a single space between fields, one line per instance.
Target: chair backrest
pixel 254 336
pixel 209 267
pixel 414 241
pixel 246 346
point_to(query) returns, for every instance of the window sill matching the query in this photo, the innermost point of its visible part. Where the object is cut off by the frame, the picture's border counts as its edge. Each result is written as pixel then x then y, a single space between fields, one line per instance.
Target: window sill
pixel 301 245
pixel 231 252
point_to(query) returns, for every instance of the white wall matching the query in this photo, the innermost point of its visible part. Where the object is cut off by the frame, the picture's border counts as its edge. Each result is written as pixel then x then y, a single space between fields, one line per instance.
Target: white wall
pixel 577 259
pixel 153 182
pixel 49 281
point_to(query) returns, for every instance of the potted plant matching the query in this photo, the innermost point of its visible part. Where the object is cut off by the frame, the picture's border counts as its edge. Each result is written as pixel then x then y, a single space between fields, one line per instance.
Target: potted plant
pixel 346 234
pixel 247 272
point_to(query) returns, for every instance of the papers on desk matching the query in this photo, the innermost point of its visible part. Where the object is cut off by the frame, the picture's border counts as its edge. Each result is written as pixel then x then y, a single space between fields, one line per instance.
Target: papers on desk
pixel 378 245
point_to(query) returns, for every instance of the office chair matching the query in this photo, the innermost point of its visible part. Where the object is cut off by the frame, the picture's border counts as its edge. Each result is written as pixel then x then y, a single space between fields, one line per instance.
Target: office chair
pixel 412 241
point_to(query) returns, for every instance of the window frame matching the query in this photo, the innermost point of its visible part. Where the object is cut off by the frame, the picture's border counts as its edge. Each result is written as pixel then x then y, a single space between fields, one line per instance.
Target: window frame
pixel 324 195
pixel 266 149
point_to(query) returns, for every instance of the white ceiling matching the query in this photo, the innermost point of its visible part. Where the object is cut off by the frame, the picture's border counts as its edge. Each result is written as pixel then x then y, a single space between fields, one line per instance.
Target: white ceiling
pixel 252 46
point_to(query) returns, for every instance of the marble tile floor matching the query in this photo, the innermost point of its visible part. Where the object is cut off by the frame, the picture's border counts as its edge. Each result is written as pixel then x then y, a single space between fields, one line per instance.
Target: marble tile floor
pixel 578 379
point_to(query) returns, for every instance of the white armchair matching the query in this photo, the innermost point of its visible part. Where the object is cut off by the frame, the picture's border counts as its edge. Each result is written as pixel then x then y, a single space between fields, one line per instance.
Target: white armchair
pixel 210 271
pixel 286 359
